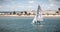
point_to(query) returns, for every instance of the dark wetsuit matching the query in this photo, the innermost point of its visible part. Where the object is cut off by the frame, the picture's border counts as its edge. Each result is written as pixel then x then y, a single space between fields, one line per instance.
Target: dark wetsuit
pixel 38 21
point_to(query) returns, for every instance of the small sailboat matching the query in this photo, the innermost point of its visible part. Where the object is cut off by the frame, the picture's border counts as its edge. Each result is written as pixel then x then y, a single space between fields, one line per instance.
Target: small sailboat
pixel 38 18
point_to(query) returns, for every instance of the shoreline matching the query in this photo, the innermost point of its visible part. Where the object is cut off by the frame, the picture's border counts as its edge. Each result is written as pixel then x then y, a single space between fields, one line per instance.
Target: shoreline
pixel 29 15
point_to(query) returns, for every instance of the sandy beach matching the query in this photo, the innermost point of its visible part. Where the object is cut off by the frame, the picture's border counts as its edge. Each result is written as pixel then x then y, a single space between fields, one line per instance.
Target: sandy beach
pixel 31 15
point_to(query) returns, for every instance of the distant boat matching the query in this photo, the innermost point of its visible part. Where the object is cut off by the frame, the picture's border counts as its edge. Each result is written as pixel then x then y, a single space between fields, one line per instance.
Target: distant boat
pixel 38 18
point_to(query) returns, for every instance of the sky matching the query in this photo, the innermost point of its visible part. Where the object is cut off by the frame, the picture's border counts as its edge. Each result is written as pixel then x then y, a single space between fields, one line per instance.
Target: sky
pixel 28 5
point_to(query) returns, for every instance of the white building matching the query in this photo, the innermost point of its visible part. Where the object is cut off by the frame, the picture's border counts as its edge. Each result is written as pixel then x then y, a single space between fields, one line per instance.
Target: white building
pixel 50 12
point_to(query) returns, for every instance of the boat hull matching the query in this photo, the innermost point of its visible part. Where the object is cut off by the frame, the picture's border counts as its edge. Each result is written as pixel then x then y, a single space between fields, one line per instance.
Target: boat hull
pixel 38 22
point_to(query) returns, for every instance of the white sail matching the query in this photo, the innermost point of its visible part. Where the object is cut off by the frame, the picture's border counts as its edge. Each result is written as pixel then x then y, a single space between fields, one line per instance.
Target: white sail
pixel 38 16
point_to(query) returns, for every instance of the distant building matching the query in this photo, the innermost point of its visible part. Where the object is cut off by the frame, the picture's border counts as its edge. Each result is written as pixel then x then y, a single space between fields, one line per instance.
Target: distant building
pixel 49 12
pixel 32 12
pixel 4 13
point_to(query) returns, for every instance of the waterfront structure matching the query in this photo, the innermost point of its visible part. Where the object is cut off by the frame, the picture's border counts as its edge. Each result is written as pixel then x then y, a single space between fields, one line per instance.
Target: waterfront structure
pixel 4 13
pixel 33 12
pixel 49 12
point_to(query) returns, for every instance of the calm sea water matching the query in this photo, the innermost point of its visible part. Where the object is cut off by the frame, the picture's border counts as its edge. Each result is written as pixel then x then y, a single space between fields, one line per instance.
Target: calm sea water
pixel 23 24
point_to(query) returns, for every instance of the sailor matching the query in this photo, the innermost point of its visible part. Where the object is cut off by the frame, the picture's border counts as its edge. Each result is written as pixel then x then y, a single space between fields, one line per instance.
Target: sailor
pixel 38 21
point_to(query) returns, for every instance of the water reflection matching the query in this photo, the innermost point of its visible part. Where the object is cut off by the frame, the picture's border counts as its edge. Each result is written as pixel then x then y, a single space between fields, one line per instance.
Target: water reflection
pixel 38 28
